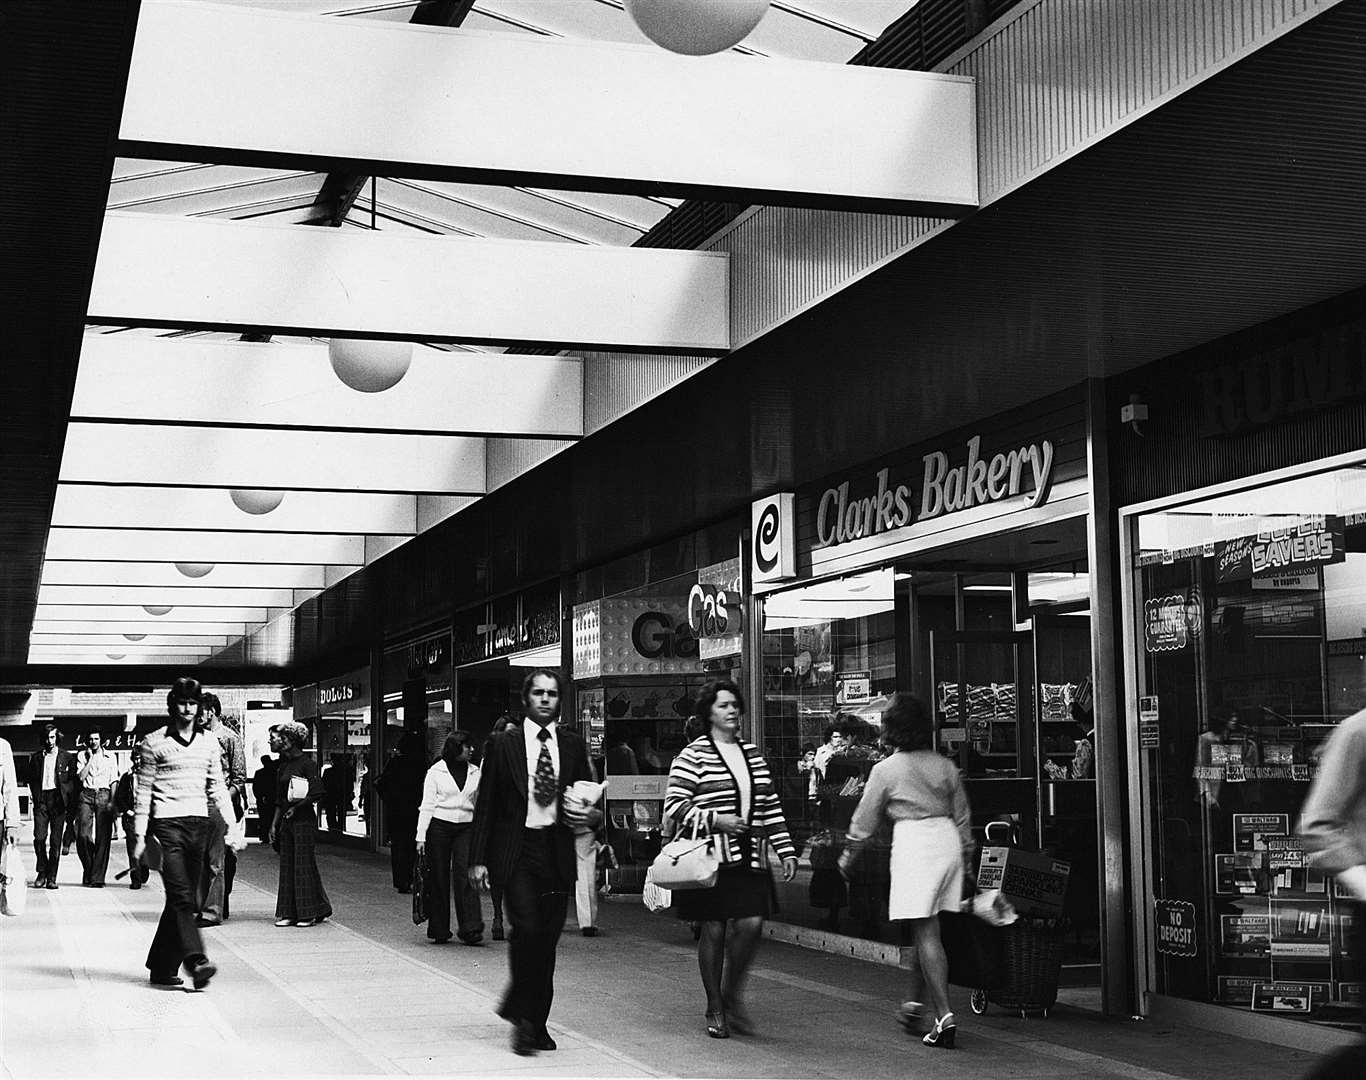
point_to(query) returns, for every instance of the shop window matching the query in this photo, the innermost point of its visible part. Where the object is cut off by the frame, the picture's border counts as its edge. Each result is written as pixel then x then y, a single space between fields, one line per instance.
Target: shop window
pixel 1250 626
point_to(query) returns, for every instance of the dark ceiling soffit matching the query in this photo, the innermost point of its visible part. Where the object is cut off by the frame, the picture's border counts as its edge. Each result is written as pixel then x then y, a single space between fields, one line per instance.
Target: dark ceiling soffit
pixel 264 333
pixel 417 170
pixel 66 72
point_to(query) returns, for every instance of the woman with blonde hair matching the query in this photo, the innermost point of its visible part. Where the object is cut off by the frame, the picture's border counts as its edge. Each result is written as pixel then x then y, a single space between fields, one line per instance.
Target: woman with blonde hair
pixel 301 900
pixel 921 793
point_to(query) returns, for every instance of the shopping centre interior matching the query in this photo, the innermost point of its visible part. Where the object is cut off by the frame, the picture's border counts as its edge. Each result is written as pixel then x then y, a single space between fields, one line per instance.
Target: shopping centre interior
pixel 1002 351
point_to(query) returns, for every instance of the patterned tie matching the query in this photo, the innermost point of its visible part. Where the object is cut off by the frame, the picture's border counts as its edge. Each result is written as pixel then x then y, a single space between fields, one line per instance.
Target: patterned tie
pixel 544 790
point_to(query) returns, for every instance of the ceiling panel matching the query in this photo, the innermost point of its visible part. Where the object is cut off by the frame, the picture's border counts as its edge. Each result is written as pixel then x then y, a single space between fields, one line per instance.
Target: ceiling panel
pixel 324 512
pixel 272 458
pixel 156 595
pixel 222 575
pixel 102 613
pixel 126 641
pixel 190 545
pixel 145 625
pixel 295 386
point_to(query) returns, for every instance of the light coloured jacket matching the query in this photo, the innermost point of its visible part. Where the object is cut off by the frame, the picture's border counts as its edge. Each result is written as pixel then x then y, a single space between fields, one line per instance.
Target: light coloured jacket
pixel 1333 820
pixel 9 788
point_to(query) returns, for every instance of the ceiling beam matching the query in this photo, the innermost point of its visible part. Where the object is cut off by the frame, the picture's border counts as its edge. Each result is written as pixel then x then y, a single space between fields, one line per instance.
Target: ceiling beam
pixel 81 674
pixel 287 385
pixel 159 546
pixel 193 273
pixel 222 576
pixel 424 102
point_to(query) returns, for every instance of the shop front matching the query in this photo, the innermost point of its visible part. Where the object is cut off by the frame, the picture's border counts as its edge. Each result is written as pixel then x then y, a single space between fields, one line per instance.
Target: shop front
pixel 1245 608
pixel 337 712
pixel 641 653
pixel 958 570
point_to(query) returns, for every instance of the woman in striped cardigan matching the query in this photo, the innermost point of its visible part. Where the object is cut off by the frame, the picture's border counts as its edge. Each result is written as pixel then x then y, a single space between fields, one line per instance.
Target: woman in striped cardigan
pixel 721 786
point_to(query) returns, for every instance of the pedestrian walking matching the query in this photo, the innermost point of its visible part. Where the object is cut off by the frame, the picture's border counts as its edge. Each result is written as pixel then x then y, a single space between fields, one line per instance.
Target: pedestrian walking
pixel 720 785
pixel 96 774
pixel 400 788
pixel 125 806
pixel 445 818
pixel 220 859
pixel 301 899
pixel 920 792
pixel 9 795
pixel 52 786
pixel 524 842
pixel 180 782
pixel 1333 823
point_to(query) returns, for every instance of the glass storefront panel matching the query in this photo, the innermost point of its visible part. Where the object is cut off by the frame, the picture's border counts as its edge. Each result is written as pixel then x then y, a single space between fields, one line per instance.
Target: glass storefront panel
pixel 342 740
pixel 1250 631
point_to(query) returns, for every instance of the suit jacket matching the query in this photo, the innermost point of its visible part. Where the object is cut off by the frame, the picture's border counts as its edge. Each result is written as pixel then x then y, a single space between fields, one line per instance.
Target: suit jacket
pixel 500 813
pixel 66 777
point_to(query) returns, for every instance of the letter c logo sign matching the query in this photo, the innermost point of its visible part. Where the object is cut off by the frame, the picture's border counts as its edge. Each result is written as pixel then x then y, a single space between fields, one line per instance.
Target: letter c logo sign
pixel 766 538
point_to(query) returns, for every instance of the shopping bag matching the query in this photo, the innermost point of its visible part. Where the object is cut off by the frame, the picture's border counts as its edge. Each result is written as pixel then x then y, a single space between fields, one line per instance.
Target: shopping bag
pixel 13 880
pixel 655 897
pixel 420 889
pixel 975 950
pixel 687 862
pixel 236 835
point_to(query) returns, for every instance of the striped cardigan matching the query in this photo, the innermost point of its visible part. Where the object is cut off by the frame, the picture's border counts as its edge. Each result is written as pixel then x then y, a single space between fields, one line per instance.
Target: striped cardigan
pixel 701 786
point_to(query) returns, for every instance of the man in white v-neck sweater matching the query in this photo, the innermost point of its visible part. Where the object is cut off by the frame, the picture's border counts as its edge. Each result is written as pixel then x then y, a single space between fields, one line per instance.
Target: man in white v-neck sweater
pixel 180 781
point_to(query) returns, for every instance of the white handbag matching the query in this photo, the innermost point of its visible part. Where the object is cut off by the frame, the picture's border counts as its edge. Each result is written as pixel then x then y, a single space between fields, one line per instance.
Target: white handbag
pixel 687 862
pixel 298 788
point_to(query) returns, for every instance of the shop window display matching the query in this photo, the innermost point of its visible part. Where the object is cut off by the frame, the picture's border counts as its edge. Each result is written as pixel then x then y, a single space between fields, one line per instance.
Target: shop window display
pixel 1251 631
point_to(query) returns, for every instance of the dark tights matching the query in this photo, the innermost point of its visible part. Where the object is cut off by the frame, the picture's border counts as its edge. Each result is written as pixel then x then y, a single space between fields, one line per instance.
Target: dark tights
pixel 724 957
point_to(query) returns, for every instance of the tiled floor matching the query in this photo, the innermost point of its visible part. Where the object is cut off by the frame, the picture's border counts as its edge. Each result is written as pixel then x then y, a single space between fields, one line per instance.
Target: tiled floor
pixel 366 995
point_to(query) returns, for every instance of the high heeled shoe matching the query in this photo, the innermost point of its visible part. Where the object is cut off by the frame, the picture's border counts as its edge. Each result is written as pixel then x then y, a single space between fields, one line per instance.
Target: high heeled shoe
pixel 944 1033
pixel 911 1016
pixel 717 1027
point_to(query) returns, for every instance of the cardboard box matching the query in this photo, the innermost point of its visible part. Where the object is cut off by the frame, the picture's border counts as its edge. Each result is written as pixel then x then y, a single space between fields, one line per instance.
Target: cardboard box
pixel 1034 883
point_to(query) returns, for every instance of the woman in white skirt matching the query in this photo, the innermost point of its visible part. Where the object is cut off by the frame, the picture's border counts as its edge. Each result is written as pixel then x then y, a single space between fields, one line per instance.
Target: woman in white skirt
pixel 920 792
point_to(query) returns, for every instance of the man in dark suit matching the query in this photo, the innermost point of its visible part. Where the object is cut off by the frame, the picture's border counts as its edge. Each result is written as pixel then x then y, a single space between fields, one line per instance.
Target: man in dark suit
pixel 52 781
pixel 523 841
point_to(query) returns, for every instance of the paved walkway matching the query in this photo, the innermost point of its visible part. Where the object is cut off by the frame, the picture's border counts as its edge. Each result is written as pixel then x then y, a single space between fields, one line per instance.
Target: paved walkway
pixel 366 995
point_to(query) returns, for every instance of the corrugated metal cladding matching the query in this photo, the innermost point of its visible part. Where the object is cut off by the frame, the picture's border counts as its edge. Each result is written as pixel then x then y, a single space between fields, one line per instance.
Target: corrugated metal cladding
pixel 616 383
pixel 506 459
pixel 1056 77
pixel 1274 365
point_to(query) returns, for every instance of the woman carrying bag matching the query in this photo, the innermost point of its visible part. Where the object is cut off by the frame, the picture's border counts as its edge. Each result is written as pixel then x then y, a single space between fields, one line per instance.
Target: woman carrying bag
pixel 302 900
pixel 719 785
pixel 920 792
pixel 444 820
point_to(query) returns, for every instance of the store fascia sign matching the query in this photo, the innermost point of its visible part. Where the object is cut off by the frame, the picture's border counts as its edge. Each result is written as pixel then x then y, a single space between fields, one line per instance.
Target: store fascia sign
pixel 339 693
pixel 948 485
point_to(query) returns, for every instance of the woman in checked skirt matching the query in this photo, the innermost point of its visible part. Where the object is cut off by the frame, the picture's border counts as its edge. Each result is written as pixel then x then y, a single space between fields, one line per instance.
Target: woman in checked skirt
pixel 301 900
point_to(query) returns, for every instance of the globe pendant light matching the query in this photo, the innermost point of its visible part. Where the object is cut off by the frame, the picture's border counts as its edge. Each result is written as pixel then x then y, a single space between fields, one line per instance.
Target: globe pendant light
pixel 194 569
pixel 156 609
pixel 256 500
pixel 115 655
pixel 696 27
pixel 369 366
pixel 134 637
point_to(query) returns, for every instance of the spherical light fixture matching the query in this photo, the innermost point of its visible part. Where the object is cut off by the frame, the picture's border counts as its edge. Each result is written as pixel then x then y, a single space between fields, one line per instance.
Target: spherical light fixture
pixel 134 637
pixel 370 366
pixel 115 655
pixel 194 569
pixel 256 501
pixel 156 609
pixel 696 27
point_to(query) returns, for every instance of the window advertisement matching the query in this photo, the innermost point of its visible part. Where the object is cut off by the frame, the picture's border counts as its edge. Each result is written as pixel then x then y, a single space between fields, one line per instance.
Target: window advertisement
pixel 1251 639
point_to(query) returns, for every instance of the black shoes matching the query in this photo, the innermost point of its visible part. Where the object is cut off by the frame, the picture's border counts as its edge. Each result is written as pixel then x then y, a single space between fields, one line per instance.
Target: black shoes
pixel 50 885
pixel 40 883
pixel 589 931
pixel 201 971
pixel 497 930
pixel 544 1041
pixel 475 938
pixel 441 940
pixel 944 1033
pixel 166 980
pixel 526 1039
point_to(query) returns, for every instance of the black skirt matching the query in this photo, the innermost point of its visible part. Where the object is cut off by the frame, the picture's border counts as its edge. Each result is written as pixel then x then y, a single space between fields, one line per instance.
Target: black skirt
pixel 739 893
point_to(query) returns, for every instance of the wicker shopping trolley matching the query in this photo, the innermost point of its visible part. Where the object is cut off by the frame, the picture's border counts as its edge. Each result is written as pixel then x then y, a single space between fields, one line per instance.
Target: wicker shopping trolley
pixel 1031 961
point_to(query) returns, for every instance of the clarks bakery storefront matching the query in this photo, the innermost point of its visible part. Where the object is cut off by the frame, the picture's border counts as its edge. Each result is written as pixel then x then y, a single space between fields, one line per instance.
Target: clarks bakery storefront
pixel 958 569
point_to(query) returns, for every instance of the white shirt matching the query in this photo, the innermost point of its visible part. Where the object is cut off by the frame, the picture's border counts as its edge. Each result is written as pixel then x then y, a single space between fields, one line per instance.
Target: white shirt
pixel 733 754
pixel 97 771
pixel 49 770
pixel 443 798
pixel 538 816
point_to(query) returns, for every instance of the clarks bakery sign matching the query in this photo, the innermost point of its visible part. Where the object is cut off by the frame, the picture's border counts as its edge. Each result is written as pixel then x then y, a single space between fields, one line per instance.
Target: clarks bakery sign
pixel 950 480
